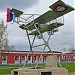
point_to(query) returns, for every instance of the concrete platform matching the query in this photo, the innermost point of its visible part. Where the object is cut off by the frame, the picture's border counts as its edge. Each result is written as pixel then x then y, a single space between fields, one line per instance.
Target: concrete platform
pixel 50 69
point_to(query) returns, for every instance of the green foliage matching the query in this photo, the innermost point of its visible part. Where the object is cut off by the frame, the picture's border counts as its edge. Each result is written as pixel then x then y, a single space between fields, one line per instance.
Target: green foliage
pixel 70 66
pixel 6 69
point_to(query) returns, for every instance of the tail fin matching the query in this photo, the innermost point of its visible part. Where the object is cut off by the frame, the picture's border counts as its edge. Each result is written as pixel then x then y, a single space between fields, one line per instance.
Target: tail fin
pixel 16 12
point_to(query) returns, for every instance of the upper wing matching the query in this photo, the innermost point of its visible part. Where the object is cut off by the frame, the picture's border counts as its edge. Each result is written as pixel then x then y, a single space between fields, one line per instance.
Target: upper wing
pixel 46 28
pixel 60 6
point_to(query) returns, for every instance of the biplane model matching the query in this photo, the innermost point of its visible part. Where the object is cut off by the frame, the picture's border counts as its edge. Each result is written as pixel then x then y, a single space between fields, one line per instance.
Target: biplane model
pixel 47 22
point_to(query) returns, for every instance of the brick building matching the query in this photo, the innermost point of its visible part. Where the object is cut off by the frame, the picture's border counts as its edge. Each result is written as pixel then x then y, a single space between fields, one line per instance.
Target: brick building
pixel 19 57
pixel 69 57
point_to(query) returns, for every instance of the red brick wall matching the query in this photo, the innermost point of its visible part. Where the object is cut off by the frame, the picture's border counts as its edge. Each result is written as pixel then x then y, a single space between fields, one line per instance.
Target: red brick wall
pixel 11 57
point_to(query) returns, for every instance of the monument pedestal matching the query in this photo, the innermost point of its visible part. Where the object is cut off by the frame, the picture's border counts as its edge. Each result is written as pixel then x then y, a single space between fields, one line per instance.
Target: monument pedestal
pixel 50 69
pixel 45 71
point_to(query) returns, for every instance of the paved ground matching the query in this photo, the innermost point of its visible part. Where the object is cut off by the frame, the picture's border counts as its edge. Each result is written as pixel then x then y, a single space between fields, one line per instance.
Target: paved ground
pixel 72 73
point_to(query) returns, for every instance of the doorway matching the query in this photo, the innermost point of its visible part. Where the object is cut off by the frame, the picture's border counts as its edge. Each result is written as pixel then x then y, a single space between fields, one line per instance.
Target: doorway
pixel 46 73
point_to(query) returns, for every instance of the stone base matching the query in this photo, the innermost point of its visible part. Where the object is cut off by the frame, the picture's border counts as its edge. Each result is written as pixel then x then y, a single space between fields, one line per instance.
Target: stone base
pixel 44 71
pixel 50 69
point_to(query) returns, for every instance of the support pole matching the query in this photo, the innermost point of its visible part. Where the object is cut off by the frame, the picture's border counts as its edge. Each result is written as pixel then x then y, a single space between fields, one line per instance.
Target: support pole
pixel 47 45
pixel 29 50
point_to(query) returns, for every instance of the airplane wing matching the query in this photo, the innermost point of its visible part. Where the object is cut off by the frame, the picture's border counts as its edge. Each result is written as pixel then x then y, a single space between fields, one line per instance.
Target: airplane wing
pixel 47 28
pixel 58 9
pixel 46 17
pixel 60 6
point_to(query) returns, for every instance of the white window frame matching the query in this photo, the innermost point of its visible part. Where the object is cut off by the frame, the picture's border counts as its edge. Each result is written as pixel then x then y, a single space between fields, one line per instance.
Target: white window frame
pixel 17 61
pixel 4 62
pixel 30 61
pixel 23 61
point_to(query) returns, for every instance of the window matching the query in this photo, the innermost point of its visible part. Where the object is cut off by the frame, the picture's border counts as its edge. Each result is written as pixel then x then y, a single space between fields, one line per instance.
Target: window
pixel 73 56
pixel 29 57
pixel 58 57
pixel 40 59
pixel 45 57
pixel 16 57
pixel 34 57
pixel 23 57
pixel 3 58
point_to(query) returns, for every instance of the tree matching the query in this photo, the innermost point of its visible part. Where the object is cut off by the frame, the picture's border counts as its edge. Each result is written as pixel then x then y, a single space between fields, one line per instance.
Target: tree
pixel 72 49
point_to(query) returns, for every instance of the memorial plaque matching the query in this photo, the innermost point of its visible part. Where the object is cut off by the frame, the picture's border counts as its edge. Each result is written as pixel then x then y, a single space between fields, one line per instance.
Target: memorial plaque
pixel 15 73
pixel 46 73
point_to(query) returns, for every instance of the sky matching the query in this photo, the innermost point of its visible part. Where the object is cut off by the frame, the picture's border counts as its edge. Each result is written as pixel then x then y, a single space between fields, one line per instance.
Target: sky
pixel 64 38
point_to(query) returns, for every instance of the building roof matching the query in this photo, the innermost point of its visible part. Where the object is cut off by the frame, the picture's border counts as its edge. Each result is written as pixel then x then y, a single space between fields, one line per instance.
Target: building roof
pixel 53 52
pixel 70 53
pixel 33 51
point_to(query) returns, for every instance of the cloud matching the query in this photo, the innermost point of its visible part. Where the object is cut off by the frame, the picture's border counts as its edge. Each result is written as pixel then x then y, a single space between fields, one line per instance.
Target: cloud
pixel 24 4
pixel 20 43
pixel 17 37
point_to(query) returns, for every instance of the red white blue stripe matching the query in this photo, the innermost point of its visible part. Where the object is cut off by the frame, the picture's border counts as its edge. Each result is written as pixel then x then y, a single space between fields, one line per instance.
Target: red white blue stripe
pixel 9 15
